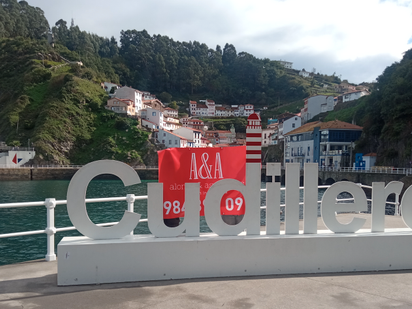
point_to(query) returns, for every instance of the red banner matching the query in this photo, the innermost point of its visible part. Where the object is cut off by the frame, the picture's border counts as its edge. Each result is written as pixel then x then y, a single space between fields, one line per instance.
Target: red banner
pixel 178 166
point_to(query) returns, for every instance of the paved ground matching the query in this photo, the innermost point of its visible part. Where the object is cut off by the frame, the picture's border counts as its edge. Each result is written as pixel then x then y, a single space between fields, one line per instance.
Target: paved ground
pixel 33 285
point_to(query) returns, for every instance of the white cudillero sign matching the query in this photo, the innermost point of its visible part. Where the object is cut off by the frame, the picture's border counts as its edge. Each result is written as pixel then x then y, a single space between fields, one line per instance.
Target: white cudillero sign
pixel 112 254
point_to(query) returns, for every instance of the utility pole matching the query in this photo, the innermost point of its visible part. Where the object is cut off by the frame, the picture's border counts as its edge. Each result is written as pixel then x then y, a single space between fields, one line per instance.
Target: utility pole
pixel 351 150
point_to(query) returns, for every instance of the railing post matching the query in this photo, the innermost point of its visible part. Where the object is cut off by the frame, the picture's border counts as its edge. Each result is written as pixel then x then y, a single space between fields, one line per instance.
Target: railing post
pixel 130 198
pixel 397 209
pixel 50 204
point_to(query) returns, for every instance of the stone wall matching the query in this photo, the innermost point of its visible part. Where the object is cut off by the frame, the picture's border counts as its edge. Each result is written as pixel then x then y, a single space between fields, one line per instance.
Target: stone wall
pixel 60 174
pixel 15 173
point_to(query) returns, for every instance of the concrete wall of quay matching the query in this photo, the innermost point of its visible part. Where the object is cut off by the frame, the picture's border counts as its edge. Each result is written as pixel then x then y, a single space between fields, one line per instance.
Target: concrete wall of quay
pixel 330 177
pixel 15 173
pixel 63 173
pixel 358 177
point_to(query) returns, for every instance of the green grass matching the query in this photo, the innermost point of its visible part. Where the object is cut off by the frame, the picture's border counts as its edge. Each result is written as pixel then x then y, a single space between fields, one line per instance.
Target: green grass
pixel 37 94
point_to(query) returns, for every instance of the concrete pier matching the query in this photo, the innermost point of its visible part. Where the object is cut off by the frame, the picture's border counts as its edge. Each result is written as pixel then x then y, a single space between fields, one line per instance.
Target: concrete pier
pixel 34 285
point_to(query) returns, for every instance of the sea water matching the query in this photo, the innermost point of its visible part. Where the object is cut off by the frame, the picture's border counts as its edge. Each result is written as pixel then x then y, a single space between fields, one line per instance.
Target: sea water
pixel 21 219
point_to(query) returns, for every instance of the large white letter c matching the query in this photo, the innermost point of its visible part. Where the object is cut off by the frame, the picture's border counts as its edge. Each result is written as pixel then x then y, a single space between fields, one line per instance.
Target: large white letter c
pixel 76 195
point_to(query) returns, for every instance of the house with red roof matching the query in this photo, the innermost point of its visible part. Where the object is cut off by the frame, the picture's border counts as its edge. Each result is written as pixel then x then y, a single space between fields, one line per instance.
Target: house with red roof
pixel 208 108
pixel 121 106
pixel 131 94
pixel 193 136
pixel 171 139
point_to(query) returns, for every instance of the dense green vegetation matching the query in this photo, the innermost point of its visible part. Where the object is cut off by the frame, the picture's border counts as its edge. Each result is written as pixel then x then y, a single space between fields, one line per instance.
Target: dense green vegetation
pixel 387 115
pixel 58 106
pixel 59 110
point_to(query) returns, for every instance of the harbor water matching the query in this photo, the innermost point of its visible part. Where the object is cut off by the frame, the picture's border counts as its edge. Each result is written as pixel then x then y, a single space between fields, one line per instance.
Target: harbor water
pixel 21 219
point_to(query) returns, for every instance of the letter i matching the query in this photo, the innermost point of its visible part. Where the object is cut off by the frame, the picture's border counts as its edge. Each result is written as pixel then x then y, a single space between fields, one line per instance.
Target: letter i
pixel 273 200
pixel 310 207
pixel 292 198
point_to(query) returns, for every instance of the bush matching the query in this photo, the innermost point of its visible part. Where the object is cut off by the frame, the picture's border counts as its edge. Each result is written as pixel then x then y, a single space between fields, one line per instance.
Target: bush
pixel 122 124
pixel 38 75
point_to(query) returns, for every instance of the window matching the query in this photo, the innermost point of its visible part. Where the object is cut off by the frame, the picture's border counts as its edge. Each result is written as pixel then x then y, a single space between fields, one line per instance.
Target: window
pixel 164 133
pixel 308 150
pixel 175 141
pixel 293 125
pixel 170 141
pixel 153 113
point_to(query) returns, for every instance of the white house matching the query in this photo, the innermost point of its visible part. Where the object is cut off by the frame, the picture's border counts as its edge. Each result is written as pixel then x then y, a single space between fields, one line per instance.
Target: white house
pixel 211 107
pixel 121 106
pixel 148 96
pixel 192 107
pixel 304 73
pixel 153 115
pixel 315 105
pixel 286 64
pixel 248 110
pixel 353 95
pixel 168 111
pixel 267 136
pixel 171 139
pixel 171 123
pixel 108 87
pixel 131 94
pixel 149 124
pixel 222 112
pixel 193 136
pixel 291 124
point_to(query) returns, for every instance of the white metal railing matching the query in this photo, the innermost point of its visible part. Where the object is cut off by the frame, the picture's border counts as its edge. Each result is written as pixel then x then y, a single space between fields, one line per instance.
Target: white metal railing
pixel 65 166
pixel 51 230
pixel 397 211
pixel 51 203
pixel 374 169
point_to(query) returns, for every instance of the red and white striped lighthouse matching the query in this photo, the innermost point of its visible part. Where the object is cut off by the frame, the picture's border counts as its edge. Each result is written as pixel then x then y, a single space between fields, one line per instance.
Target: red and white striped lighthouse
pixel 254 139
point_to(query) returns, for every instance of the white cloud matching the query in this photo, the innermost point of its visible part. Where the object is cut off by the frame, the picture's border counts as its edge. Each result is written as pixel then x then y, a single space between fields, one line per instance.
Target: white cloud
pixel 357 38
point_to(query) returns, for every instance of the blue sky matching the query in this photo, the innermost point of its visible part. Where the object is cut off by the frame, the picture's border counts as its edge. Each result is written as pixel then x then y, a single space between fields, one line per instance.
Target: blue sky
pixel 354 39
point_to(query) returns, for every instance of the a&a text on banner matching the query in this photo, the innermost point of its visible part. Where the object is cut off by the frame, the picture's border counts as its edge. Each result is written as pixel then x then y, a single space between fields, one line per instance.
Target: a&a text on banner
pixel 178 166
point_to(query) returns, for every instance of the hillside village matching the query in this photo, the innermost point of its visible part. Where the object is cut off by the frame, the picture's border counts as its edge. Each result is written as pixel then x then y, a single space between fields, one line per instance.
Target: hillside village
pixel 293 132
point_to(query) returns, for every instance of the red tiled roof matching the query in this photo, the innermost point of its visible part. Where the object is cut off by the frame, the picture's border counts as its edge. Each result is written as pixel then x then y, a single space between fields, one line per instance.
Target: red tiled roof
pixel 197 130
pixel 335 124
pixel 170 132
pixel 126 101
pixel 221 145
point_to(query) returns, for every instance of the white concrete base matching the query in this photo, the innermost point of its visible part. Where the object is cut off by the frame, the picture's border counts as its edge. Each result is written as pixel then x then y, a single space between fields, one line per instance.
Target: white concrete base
pixel 144 257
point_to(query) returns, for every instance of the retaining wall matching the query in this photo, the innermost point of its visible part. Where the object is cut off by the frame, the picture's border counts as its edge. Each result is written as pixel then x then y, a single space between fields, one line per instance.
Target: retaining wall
pixel 43 173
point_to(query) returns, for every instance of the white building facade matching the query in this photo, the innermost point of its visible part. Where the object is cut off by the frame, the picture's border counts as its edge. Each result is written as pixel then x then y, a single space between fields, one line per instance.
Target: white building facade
pixel 315 105
pixel 354 95
pixel 153 115
pixel 193 136
pixel 171 139
pixel 325 143
pixel 131 94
